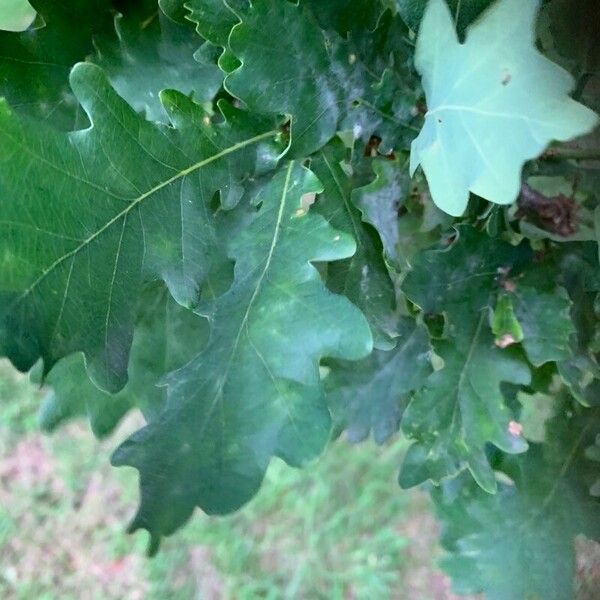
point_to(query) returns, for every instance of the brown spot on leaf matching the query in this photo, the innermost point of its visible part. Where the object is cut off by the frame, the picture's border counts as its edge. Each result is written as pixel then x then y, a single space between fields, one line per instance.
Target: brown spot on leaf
pixel 372 149
pixel 372 145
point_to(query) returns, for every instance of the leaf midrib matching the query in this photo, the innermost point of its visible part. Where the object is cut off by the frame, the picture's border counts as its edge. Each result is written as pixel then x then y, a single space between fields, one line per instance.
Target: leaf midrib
pixel 349 211
pixel 276 234
pixel 485 113
pixel 134 203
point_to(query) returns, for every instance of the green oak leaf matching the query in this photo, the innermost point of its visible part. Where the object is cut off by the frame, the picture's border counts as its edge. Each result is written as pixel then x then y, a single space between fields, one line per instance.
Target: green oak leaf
pixel 464 12
pixel 519 543
pixel 363 277
pixel 348 15
pixel 87 217
pixel 377 63
pixel 255 389
pixel 419 224
pixel 150 53
pixel 215 19
pixel 371 395
pixel 391 108
pixel 543 312
pixel 381 199
pixel 174 9
pixel 16 15
pixel 581 373
pixel 35 64
pixel 323 81
pixel 461 409
pixel 580 274
pixel 166 335
pixel 492 105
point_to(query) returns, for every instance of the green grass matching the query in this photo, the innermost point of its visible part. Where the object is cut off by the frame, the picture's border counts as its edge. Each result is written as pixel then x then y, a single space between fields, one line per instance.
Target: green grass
pixel 339 529
pixel 321 532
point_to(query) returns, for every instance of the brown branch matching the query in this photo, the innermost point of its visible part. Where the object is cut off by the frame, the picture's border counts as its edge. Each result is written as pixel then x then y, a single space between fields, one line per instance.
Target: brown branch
pixel 568 153
pixel 557 214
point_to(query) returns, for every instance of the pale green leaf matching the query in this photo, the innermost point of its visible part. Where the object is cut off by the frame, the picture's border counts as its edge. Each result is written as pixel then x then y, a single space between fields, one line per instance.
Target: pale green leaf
pixel 494 102
pixel 16 15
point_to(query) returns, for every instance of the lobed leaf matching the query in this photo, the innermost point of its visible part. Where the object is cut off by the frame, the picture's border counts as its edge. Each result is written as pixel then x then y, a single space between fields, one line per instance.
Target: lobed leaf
pixel 371 395
pixel 35 64
pixel 215 19
pixel 544 315
pixel 255 390
pixel 461 409
pixel 381 200
pixel 88 217
pixel 324 82
pixel 149 53
pixel 519 543
pixel 363 277
pixel 166 335
pixel 492 105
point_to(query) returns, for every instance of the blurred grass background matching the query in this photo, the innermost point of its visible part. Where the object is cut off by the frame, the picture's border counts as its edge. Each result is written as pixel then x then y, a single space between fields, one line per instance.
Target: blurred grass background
pixel 341 529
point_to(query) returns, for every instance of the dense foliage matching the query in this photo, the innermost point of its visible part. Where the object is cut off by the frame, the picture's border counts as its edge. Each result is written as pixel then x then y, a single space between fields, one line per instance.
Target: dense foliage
pixel 212 211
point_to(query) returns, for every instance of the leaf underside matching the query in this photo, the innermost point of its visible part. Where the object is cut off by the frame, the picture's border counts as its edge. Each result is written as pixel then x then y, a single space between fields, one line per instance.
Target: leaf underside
pixel 491 105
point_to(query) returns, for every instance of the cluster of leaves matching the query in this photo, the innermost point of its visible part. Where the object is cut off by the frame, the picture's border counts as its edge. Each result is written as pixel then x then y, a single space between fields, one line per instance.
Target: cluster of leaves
pixel 211 211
